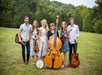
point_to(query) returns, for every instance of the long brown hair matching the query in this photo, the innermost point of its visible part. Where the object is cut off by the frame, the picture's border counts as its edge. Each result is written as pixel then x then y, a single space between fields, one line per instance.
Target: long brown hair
pixel 65 26
pixel 36 27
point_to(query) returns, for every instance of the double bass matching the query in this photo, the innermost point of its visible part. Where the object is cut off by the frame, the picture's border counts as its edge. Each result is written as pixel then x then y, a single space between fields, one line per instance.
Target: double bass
pixel 53 58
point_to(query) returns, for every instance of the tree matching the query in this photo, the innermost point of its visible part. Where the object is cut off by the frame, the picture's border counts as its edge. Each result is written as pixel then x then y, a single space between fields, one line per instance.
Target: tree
pixel 98 26
pixel 12 13
pixel 6 7
pixel 78 19
pixel 83 18
pixel 88 27
pixel 99 9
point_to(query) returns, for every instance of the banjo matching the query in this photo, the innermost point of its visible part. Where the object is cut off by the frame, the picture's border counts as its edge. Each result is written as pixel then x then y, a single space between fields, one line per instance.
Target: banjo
pixel 40 63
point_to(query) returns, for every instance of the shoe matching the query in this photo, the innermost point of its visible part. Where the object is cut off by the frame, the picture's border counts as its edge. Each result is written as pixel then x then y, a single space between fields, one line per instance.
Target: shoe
pixel 24 62
pixel 62 66
pixel 27 62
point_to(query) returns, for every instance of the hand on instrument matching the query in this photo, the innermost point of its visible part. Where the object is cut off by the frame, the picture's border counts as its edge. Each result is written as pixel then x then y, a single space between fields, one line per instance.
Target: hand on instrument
pixel 20 40
pixel 75 39
pixel 65 35
pixel 36 38
pixel 68 37
pixel 33 38
pixel 52 36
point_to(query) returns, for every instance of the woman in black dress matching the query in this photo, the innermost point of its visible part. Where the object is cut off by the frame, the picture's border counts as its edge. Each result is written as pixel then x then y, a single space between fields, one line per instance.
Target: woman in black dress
pixel 51 32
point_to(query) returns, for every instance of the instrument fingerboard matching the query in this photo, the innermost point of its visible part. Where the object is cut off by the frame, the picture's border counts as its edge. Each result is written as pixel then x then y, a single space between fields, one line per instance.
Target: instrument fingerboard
pixel 57 19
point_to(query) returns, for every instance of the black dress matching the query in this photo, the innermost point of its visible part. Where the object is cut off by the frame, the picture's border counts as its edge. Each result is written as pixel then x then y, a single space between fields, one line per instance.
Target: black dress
pixel 50 34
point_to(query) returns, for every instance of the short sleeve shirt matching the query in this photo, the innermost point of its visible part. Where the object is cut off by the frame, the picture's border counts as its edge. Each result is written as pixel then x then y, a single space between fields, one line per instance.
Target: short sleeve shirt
pixel 25 31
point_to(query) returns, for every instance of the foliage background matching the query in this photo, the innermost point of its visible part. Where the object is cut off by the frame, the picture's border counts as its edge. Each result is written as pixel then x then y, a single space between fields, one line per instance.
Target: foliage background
pixel 12 13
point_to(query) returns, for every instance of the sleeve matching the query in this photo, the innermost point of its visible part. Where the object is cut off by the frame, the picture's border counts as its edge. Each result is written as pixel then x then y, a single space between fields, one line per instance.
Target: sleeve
pixel 57 34
pixel 77 32
pixel 48 34
pixel 68 28
pixel 31 28
pixel 21 28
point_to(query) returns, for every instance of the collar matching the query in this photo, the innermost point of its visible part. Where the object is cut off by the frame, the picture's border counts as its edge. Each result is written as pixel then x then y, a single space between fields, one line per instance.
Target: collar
pixel 72 25
pixel 26 24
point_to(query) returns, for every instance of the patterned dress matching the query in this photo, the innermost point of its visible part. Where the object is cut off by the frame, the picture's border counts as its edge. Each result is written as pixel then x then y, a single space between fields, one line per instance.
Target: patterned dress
pixel 32 52
pixel 44 41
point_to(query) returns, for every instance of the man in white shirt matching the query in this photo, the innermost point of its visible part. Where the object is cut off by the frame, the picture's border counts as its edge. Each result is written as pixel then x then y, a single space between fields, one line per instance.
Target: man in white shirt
pixel 73 37
pixel 24 38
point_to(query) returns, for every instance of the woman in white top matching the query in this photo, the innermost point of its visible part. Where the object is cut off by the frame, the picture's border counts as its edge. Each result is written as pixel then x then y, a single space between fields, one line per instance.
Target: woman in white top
pixel 44 39
pixel 35 35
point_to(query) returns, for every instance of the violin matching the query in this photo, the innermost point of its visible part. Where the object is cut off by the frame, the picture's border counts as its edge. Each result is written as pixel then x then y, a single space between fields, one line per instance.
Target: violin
pixel 36 49
pixel 53 58
pixel 63 38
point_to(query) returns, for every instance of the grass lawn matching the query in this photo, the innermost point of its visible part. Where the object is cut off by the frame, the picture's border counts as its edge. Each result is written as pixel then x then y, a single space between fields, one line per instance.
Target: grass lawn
pixel 89 48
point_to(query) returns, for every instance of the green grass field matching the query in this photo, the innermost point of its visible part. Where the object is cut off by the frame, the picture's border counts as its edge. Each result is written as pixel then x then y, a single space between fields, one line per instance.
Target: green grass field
pixel 89 48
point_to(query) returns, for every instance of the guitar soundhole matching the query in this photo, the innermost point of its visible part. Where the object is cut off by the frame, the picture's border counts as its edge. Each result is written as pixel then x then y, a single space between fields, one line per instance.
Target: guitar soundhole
pixel 76 57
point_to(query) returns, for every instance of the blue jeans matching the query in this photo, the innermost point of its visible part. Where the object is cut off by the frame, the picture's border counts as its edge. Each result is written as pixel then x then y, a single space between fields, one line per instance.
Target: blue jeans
pixel 28 51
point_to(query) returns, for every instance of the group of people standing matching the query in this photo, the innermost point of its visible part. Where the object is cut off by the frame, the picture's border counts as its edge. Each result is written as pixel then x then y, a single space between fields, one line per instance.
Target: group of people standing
pixel 28 34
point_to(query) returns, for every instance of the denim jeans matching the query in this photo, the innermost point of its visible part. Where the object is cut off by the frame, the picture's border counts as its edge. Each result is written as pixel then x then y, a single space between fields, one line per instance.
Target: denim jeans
pixel 27 46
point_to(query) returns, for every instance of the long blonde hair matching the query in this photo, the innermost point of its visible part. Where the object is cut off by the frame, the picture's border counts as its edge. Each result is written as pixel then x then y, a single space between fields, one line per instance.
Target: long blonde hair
pixel 46 27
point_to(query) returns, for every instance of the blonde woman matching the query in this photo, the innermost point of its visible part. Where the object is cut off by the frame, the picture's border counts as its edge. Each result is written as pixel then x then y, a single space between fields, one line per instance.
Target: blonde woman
pixel 44 39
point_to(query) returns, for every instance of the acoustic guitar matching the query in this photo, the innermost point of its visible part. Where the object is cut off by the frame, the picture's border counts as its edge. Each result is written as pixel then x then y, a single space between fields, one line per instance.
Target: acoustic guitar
pixel 75 62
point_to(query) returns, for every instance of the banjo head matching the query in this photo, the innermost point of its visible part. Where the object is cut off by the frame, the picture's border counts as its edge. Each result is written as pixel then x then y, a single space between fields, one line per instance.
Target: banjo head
pixel 40 64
